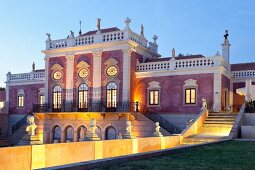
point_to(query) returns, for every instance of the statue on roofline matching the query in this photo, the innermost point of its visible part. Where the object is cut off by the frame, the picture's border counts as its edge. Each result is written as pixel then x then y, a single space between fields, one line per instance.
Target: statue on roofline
pixel 226 35
pixel 98 24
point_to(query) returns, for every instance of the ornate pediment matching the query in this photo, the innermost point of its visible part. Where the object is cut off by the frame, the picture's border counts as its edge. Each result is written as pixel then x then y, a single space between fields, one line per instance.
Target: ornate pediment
pixel 111 61
pixel 82 64
pixel 56 67
pixel 190 82
pixel 154 85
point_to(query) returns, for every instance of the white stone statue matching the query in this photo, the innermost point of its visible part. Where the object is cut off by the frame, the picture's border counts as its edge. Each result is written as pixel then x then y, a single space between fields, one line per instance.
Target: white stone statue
pixel 31 126
pixel 204 103
pixel 127 22
pixel 128 133
pixel 119 136
pixel 48 35
pixel 157 133
pixel 155 39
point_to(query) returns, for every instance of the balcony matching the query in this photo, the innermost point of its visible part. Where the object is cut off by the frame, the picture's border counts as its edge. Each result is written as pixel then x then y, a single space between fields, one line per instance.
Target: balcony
pixel 88 107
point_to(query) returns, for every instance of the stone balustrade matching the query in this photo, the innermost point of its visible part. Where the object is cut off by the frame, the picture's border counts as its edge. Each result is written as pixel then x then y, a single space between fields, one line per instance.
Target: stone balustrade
pixel 245 73
pixel 183 64
pixel 121 35
pixel 34 75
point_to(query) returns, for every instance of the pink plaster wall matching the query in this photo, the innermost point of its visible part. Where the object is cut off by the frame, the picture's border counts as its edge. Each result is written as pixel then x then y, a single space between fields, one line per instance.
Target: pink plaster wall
pixel 31 97
pixel 61 60
pixel 2 95
pixel 118 55
pixel 172 92
pixel 88 58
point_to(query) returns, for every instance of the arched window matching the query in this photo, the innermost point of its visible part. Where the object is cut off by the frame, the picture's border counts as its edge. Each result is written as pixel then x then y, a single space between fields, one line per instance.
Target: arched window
pixel 82 131
pixel 111 95
pixel 99 132
pixel 69 133
pixel 110 133
pixel 56 133
pixel 57 98
pixel 83 97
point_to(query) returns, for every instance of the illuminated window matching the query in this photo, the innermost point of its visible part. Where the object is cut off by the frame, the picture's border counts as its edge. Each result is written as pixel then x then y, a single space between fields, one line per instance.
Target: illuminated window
pixel 111 98
pixel 20 98
pixel 153 97
pixel 21 101
pixel 190 96
pixel 83 96
pixel 41 99
pixel 57 97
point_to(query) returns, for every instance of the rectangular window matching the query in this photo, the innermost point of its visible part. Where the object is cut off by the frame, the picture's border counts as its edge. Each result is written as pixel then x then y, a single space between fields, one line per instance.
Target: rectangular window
pixel 153 97
pixel 20 101
pixel 190 96
pixel 41 99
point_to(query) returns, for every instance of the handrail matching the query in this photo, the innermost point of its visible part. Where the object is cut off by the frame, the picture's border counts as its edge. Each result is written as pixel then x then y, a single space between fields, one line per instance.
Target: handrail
pixel 86 107
pixel 20 123
pixel 168 126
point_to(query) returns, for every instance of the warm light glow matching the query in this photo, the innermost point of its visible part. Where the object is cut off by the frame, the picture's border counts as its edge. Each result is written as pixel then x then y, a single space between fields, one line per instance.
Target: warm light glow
pixel 1 105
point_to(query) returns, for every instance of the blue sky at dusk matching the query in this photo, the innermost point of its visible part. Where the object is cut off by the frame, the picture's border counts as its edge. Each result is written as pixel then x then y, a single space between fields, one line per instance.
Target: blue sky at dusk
pixel 194 27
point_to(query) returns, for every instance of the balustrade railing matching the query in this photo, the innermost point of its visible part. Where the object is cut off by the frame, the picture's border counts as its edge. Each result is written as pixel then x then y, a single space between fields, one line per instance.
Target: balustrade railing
pixel 88 107
pixel 34 75
pixel 205 62
pixel 245 73
pixel 119 35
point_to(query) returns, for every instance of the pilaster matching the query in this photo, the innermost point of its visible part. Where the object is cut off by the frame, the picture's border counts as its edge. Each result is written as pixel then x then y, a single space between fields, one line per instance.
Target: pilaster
pixel 46 84
pixel 248 89
pixel 126 74
pixel 97 60
pixel 217 91
pixel 69 77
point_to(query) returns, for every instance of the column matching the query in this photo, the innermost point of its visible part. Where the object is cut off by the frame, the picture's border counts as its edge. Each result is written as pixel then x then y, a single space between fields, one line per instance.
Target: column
pixel 126 74
pixel 231 98
pixel 248 89
pixel 75 137
pixel 97 75
pixel 63 137
pixel 217 91
pixel 69 77
pixel 46 84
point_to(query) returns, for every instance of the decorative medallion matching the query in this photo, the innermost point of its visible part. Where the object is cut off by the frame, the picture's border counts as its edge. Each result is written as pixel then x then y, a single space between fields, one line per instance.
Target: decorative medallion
pixel 112 71
pixel 83 73
pixel 57 75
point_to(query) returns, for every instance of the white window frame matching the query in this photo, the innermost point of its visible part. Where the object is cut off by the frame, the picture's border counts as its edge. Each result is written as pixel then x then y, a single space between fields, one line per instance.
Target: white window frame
pixel 153 86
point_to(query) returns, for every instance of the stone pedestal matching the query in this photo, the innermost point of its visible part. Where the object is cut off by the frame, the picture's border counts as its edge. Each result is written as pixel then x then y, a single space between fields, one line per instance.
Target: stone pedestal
pixel 92 135
pixel 30 140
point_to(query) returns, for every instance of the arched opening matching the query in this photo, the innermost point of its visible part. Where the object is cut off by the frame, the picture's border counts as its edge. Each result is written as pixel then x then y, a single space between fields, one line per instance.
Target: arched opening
pixel 111 96
pixel 69 134
pixel 56 134
pixel 99 132
pixel 82 132
pixel 83 97
pixel 110 133
pixel 57 98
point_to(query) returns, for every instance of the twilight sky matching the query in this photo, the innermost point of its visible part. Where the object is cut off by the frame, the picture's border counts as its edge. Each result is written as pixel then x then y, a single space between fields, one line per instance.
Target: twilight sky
pixel 194 27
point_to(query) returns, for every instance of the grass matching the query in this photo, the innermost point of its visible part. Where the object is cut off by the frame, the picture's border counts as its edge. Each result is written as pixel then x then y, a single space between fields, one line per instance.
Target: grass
pixel 228 155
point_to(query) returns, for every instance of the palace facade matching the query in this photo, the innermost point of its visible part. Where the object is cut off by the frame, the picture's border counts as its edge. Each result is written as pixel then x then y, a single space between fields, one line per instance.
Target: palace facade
pixel 113 75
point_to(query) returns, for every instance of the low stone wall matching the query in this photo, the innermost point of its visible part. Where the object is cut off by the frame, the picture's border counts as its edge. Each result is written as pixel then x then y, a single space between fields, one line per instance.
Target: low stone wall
pixel 48 155
pixel 195 124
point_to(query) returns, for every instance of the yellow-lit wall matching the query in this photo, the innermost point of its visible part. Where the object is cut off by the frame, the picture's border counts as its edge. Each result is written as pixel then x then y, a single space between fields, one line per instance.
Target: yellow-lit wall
pixel 47 155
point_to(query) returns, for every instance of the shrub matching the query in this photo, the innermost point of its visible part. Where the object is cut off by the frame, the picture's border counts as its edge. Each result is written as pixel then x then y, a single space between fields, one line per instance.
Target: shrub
pixel 250 106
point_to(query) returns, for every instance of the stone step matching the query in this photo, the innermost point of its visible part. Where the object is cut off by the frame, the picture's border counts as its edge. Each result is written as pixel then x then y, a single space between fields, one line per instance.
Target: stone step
pixel 212 116
pixel 4 142
pixel 219 122
pixel 221 118
pixel 222 114
pixel 217 125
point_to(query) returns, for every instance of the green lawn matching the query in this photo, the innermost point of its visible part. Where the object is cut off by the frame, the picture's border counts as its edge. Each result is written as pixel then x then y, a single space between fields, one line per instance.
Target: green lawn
pixel 227 155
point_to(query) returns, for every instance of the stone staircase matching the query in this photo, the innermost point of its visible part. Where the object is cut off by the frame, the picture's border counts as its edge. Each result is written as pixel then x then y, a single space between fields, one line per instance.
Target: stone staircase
pixel 216 127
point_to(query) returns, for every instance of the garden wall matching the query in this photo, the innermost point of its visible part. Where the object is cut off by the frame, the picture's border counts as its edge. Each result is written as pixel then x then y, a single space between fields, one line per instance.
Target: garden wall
pixel 48 155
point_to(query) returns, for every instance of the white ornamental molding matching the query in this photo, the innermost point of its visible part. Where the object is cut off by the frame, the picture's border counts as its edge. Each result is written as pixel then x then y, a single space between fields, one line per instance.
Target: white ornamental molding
pixel 56 67
pixel 190 82
pixel 82 64
pixel 111 61
pixel 154 85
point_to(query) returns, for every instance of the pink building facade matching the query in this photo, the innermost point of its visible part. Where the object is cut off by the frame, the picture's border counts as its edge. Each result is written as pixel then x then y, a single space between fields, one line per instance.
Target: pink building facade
pixel 114 70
